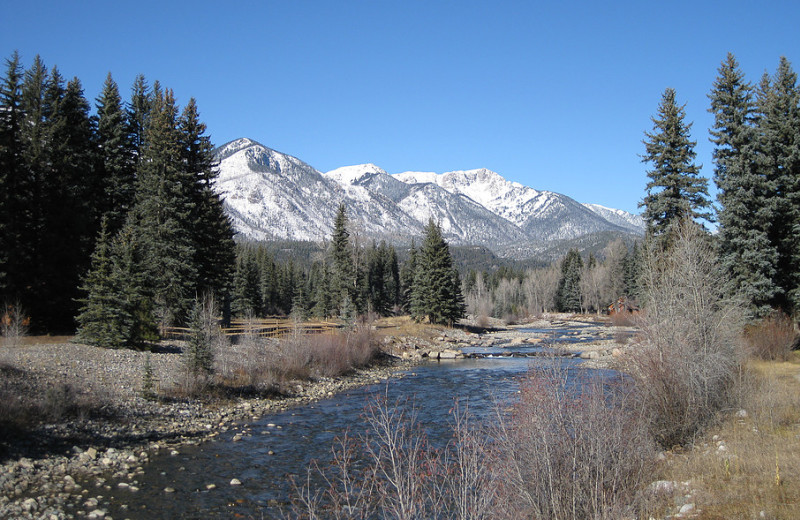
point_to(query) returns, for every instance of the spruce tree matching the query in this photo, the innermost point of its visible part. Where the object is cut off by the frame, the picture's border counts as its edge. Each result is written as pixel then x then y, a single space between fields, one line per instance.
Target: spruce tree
pixel 437 292
pixel 212 232
pixel 344 282
pixel 407 274
pixel 745 215
pixel 71 195
pixel 138 113
pixel 568 295
pixel 116 155
pixel 199 354
pixel 779 127
pixel 162 216
pixel 15 186
pixel 675 189
pixel 101 321
pixel 116 311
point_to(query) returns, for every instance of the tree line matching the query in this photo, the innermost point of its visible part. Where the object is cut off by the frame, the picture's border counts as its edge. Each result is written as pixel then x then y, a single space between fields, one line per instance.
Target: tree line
pixel 351 279
pixel 109 223
pixel 110 218
pixel 756 134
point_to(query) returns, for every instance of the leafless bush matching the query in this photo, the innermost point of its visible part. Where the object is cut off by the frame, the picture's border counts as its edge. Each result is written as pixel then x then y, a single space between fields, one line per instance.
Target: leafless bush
pixel 691 347
pixel 572 448
pixel 392 472
pixel 13 324
pixel 263 364
pixel 773 338
pixel 622 319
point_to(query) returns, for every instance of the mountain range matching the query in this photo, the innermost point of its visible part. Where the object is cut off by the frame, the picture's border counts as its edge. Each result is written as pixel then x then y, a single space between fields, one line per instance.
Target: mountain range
pixel 273 196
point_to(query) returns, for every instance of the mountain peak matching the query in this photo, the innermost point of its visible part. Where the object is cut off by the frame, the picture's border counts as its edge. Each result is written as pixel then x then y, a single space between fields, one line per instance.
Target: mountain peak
pixel 355 173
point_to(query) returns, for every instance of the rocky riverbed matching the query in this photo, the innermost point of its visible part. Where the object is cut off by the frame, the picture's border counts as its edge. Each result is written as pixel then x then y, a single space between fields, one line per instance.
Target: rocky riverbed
pixel 65 468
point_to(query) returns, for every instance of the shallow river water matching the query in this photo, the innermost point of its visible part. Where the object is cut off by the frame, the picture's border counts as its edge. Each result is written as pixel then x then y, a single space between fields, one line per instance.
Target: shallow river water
pixel 279 447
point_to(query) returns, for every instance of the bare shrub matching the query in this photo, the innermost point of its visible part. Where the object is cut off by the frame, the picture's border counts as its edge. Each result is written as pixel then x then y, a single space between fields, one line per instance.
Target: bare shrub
pixel 13 324
pixel 622 319
pixel 572 448
pixel 772 338
pixel 392 472
pixel 690 347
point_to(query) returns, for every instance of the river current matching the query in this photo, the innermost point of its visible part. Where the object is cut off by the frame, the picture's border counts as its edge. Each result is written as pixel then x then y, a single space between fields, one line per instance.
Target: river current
pixel 279 447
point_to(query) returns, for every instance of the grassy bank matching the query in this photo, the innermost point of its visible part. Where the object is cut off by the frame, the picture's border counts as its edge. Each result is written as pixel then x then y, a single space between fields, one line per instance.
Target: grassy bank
pixel 748 466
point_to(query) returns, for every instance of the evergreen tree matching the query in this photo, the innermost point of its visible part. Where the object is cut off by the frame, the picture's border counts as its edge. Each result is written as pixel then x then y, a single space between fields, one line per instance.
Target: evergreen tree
pixel 407 274
pixel 212 232
pixel 568 295
pixel 246 300
pixel 321 295
pixel 779 128
pixel 71 196
pixel 437 292
pixel 117 311
pixel 15 186
pixel 199 354
pixel 138 115
pixel 116 161
pixel 100 321
pixel 162 215
pixel 675 188
pixel 344 282
pixel 746 253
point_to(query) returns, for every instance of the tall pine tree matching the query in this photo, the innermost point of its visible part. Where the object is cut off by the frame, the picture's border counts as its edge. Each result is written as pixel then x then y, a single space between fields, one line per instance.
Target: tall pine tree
pixel 116 155
pixel 745 215
pixel 675 189
pixel 779 129
pixel 437 290
pixel 162 216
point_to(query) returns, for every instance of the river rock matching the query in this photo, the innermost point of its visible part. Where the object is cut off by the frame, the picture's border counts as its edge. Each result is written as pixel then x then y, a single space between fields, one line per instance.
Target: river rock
pixel 30 505
pixel 236 482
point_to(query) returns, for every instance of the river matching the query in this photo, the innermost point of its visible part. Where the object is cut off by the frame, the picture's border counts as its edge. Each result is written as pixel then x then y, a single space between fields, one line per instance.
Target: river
pixel 271 451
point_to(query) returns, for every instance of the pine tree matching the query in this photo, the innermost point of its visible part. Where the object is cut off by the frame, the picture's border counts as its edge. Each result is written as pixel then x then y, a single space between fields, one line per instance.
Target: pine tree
pixel 199 354
pixel 779 127
pixel 212 232
pixel 568 295
pixel 675 188
pixel 15 186
pixel 99 321
pixel 138 115
pixel 437 292
pixel 162 215
pixel 116 161
pixel 344 282
pixel 407 274
pixel 746 253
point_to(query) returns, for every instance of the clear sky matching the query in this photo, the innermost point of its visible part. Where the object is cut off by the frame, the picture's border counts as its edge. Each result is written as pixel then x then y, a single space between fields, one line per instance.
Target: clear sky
pixel 554 95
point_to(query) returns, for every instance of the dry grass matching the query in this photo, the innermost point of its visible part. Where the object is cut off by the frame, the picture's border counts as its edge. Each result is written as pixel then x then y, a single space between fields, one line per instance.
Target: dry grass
pixel 749 465
pixel 257 364
pixel 772 338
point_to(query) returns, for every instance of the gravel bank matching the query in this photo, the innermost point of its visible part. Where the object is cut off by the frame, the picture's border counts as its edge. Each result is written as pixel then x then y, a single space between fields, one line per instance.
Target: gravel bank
pixel 116 429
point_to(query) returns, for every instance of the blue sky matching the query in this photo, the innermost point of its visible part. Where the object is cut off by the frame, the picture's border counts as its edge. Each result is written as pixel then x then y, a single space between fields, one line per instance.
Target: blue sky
pixel 554 95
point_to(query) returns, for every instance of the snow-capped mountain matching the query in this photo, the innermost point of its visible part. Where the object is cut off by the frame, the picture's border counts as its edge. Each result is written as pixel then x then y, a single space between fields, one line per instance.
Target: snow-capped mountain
pixel 270 195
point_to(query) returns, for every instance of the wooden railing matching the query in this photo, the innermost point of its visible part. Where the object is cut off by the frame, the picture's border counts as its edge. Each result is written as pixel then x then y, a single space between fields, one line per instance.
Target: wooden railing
pixel 264 327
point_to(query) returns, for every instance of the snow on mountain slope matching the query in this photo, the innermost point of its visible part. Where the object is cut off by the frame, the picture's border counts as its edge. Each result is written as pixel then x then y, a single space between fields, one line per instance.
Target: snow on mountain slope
pixel 270 195
pixel 543 215
pixel 619 217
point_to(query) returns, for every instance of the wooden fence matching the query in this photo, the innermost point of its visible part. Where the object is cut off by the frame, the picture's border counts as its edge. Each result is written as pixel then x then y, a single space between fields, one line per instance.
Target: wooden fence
pixel 264 327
